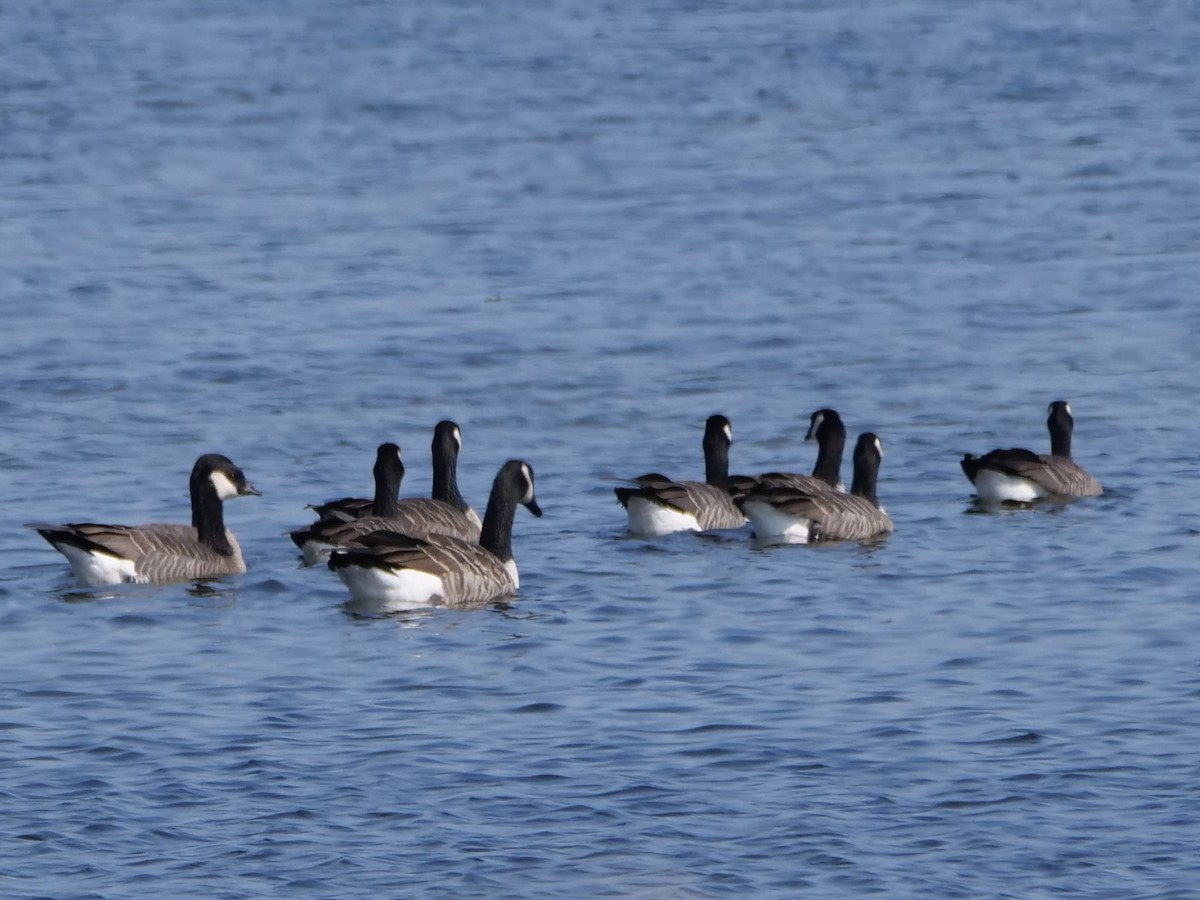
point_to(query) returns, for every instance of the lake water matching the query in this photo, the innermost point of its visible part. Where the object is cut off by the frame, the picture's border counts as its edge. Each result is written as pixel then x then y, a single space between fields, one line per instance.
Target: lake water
pixel 290 231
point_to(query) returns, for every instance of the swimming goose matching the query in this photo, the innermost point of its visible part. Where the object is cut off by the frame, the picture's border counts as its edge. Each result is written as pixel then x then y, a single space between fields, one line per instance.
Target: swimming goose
pixel 1022 476
pixel 446 512
pixel 788 515
pixel 388 471
pixel 659 505
pixel 826 428
pixel 388 571
pixel 157 553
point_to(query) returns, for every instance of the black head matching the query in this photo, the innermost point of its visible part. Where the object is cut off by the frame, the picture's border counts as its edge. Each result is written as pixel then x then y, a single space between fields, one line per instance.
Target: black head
pixel 868 448
pixel 515 478
pixel 388 458
pixel 447 434
pixel 825 422
pixel 222 475
pixel 1060 411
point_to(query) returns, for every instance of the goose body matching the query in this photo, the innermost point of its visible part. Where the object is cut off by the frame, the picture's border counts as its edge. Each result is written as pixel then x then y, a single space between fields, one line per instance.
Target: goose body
pixel 796 516
pixel 388 571
pixel 446 512
pixel 1017 475
pixel 659 505
pixel 161 553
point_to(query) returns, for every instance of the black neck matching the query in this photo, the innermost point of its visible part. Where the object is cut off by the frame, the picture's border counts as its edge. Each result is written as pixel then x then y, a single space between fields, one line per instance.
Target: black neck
pixel 445 471
pixel 716 460
pixel 866 472
pixel 208 515
pixel 829 455
pixel 388 476
pixel 1060 426
pixel 496 534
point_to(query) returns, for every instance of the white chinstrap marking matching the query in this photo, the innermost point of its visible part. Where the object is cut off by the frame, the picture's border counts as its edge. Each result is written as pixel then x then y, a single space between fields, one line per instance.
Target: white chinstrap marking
pixel 224 486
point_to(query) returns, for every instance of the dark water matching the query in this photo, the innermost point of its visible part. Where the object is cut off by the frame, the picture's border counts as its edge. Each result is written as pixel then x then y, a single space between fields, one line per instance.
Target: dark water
pixel 291 231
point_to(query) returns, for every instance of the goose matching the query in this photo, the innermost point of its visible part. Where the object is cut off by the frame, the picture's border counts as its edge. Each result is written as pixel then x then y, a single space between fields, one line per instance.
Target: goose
pixel 659 505
pixel 1022 476
pixel 387 571
pixel 789 515
pixel 826 428
pixel 446 512
pixel 158 553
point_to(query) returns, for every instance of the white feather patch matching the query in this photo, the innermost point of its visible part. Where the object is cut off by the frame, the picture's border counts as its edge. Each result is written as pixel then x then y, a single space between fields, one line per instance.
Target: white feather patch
pixel 224 487
pixel 377 590
pixel 1000 486
pixel 650 518
pixel 95 569
pixel 774 525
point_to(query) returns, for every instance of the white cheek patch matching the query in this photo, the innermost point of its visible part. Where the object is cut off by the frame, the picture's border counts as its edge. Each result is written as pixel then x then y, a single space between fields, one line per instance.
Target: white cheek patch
pixel 528 473
pixel 728 432
pixel 879 447
pixel 225 488
pixel 458 439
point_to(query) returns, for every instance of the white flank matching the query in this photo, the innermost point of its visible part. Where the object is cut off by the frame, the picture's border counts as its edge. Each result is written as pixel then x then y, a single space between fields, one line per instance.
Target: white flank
pixel 773 525
pixel 647 517
pixel 95 569
pixel 377 590
pixel 511 568
pixel 998 487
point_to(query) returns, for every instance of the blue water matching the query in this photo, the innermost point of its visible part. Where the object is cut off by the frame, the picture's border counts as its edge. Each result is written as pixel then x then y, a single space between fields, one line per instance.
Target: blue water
pixel 290 231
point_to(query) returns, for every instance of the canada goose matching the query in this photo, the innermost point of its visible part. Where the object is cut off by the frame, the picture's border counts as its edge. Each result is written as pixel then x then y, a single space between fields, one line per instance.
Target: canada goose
pixel 159 554
pixel 387 571
pixel 826 428
pixel 788 515
pixel 1022 476
pixel 659 505
pixel 446 512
